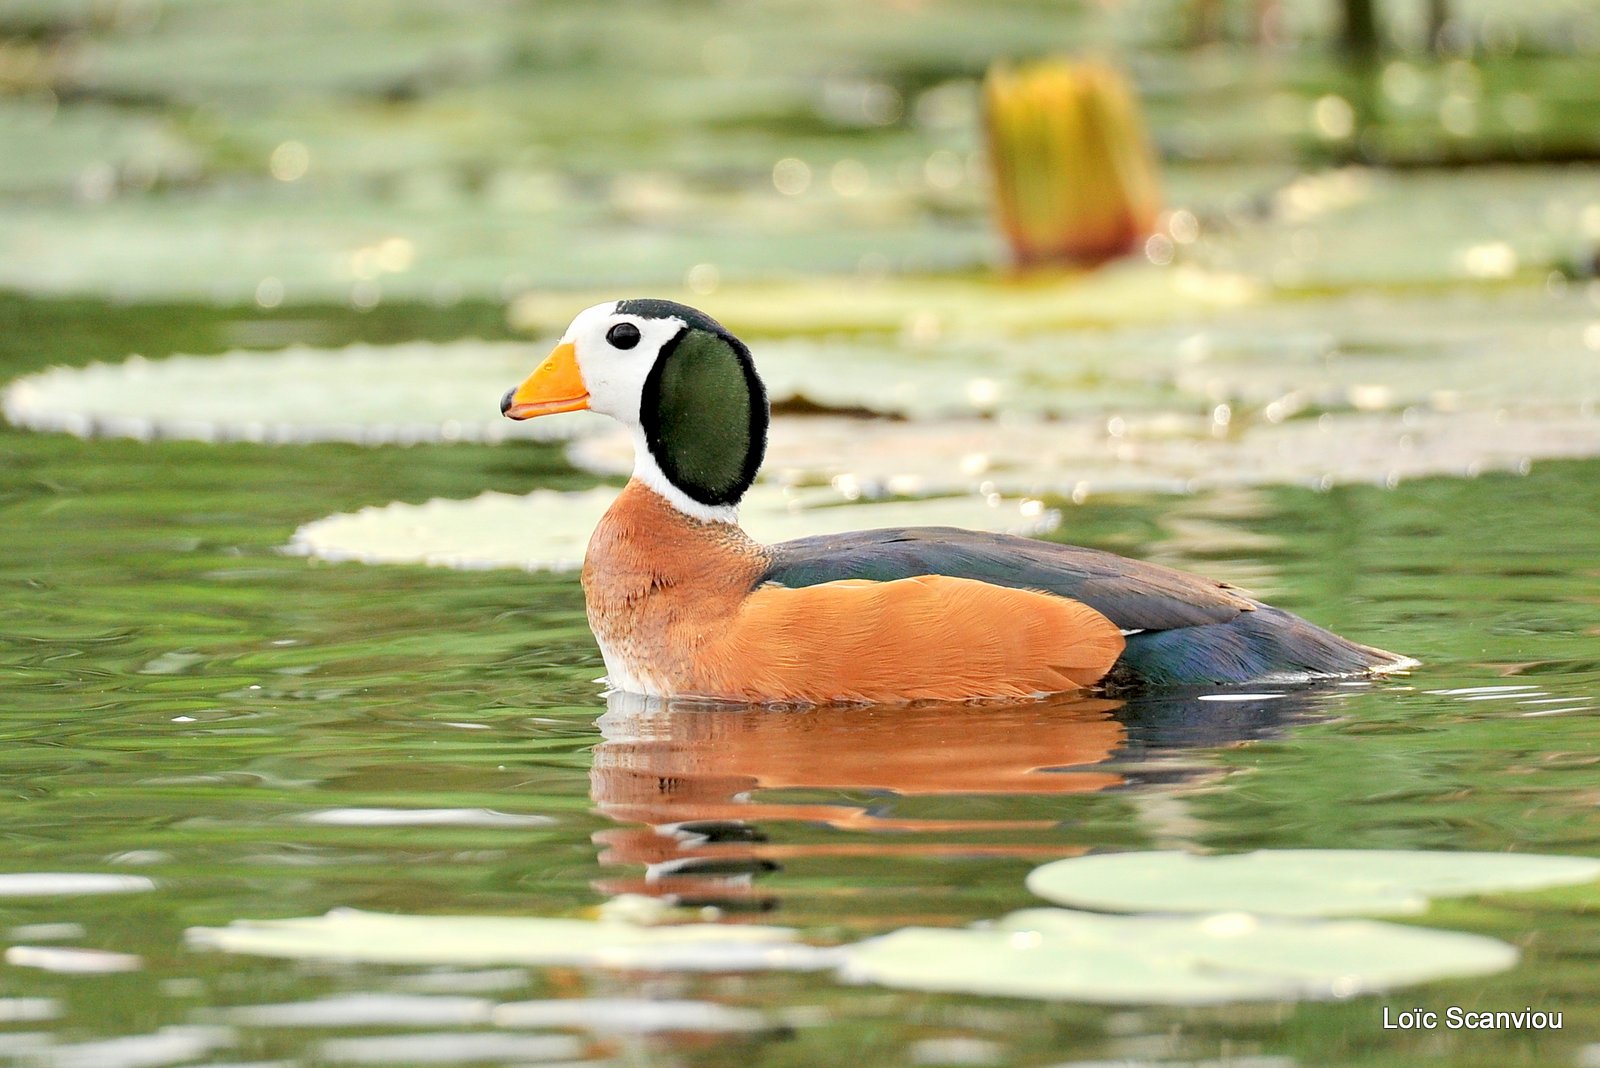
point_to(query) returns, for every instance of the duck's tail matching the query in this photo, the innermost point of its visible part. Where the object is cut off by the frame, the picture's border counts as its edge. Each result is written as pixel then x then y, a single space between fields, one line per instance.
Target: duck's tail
pixel 1266 645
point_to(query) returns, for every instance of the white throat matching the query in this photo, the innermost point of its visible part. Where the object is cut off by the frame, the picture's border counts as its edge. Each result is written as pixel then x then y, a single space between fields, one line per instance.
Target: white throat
pixel 646 470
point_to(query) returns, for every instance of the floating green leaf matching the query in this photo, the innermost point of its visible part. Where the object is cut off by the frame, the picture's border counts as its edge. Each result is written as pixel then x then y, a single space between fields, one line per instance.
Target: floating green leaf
pixel 197 52
pixel 928 307
pixel 1077 956
pixel 631 1016
pixel 277 244
pixel 1297 882
pixel 1423 358
pixel 450 1047
pixel 90 151
pixel 64 884
pixel 1041 953
pixel 364 1010
pixel 372 395
pixel 1358 227
pixel 376 938
pixel 423 817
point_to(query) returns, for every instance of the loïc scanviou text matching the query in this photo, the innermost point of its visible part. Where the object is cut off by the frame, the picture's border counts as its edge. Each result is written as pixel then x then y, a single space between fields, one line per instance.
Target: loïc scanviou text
pixel 1455 1018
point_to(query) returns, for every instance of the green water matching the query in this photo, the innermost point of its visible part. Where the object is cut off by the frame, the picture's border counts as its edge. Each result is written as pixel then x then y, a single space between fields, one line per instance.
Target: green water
pixel 179 696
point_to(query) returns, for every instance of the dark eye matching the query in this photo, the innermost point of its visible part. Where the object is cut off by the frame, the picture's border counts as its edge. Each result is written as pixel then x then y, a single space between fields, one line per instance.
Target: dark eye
pixel 623 336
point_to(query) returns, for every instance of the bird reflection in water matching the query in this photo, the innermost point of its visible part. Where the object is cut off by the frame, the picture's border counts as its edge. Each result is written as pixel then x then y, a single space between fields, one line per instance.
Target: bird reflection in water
pixel 711 797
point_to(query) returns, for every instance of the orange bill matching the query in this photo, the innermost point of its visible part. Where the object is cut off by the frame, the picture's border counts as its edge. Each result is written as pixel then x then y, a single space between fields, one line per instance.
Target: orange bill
pixel 556 385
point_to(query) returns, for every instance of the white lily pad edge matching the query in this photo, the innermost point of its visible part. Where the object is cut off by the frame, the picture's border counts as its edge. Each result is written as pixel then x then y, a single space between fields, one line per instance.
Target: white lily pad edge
pixel 1296 882
pixel 409 394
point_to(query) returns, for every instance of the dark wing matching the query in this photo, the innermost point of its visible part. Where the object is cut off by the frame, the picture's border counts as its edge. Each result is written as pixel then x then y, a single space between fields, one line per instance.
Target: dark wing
pixel 1133 595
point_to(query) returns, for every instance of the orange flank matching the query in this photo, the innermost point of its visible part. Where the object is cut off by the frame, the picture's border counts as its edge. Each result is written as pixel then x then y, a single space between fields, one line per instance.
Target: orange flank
pixel 676 606
pixel 925 638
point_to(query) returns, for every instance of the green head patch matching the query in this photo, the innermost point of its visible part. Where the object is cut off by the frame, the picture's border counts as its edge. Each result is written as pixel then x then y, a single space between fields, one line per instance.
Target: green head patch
pixel 704 413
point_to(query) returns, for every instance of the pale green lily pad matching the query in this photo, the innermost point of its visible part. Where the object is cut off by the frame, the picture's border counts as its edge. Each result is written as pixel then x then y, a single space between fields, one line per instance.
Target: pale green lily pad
pixel 451 1047
pixel 89 151
pixel 1432 386
pixel 1153 452
pixel 1344 230
pixel 450 392
pixel 1042 953
pixel 363 1010
pixel 609 1016
pixel 379 938
pixel 1363 352
pixel 72 960
pixel 423 817
pixel 1404 387
pixel 371 395
pixel 63 884
pixel 1384 352
pixel 924 308
pixel 483 129
pixel 29 1010
pixel 1297 882
pixel 302 45
pixel 1361 227
pixel 1076 956
pixel 547 530
pixel 315 242
pixel 197 51
pixel 632 1016
pixel 1433 355
pixel 310 245
pixel 175 1044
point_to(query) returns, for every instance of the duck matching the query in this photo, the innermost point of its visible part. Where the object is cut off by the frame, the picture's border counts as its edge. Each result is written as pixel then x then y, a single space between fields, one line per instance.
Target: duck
pixel 685 605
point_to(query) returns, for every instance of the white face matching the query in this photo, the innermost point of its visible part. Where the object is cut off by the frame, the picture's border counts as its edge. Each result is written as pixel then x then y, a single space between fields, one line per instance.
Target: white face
pixel 615 376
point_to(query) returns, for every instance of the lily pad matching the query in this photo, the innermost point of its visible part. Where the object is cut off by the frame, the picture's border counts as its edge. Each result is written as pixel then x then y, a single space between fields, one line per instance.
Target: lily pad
pixel 368 394
pixel 423 817
pixel 376 938
pixel 547 530
pixel 450 1047
pixel 176 1044
pixel 1268 365
pixel 1076 956
pixel 1363 352
pixel 931 307
pixel 62 884
pixel 1365 228
pixel 1297 882
pixel 883 265
pixel 442 392
pixel 1152 452
pixel 631 1016
pixel 1042 953
pixel 197 52
pixel 71 960
pixel 293 245
pixel 89 151
pixel 363 1010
